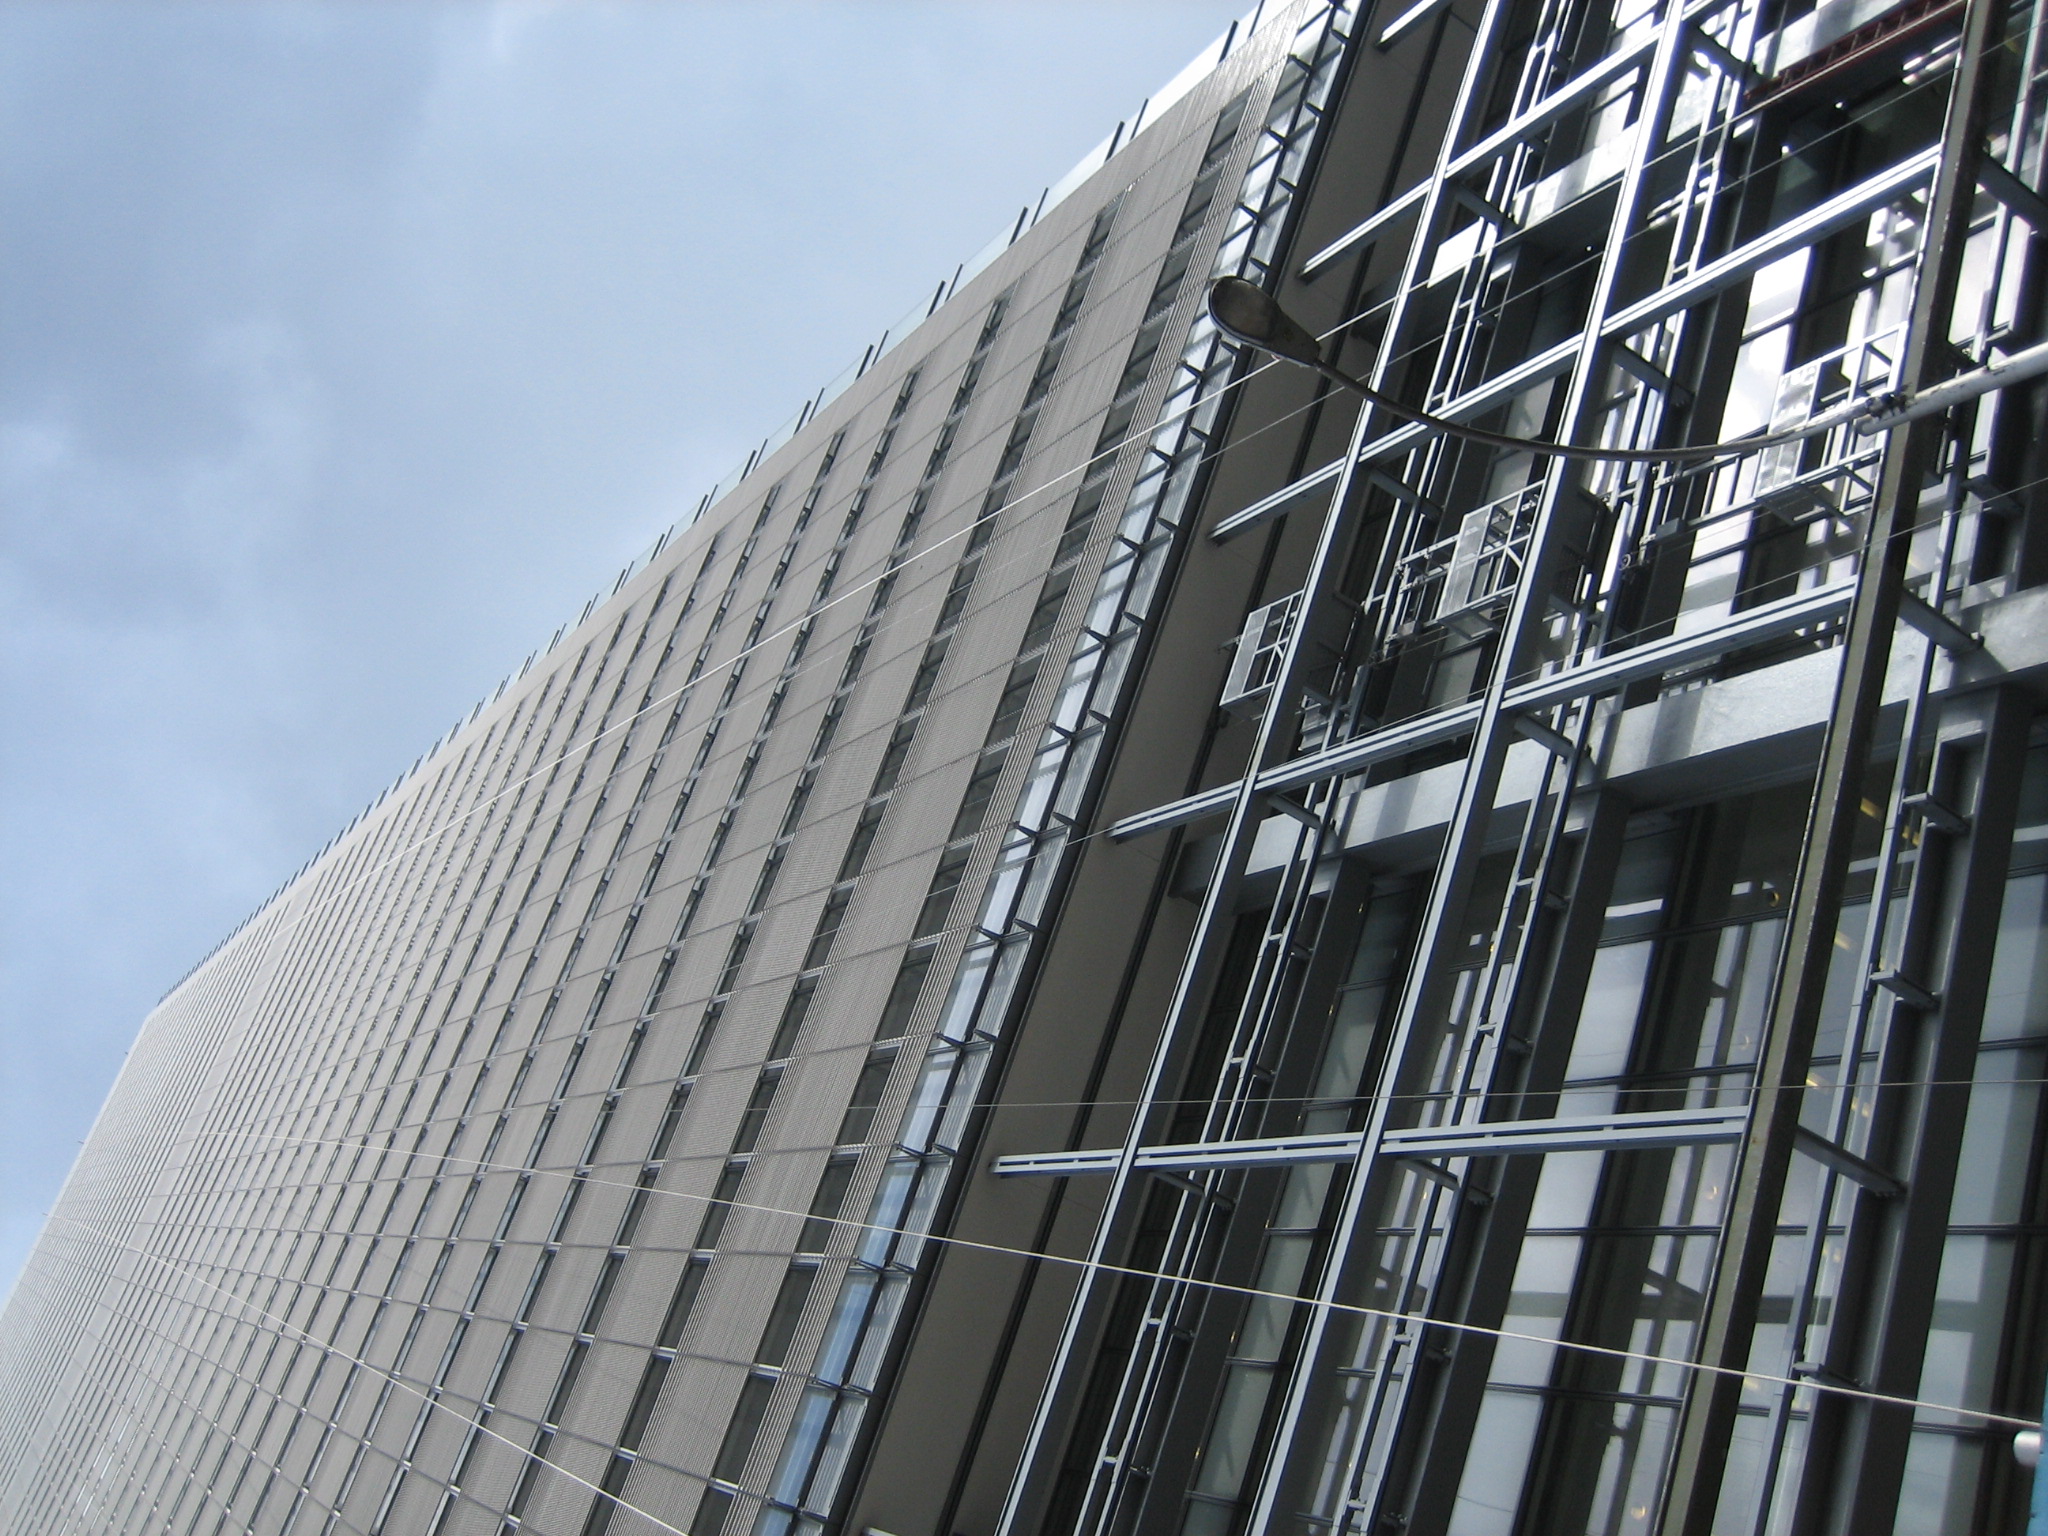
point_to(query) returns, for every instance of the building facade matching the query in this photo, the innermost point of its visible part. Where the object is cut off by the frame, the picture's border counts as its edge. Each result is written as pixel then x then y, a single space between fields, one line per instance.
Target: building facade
pixel 1109 942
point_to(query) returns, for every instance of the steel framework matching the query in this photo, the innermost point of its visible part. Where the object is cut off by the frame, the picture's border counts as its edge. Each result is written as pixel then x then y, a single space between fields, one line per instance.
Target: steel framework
pixel 1508 612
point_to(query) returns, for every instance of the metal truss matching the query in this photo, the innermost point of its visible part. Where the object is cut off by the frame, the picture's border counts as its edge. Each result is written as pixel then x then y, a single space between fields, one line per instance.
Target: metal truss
pixel 1535 575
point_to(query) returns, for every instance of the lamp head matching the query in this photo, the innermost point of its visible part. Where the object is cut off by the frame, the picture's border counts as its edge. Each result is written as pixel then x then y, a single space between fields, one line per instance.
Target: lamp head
pixel 1247 313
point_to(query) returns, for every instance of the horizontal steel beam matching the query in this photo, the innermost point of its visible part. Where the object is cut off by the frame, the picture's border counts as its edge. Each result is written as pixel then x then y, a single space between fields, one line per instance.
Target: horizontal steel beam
pixel 1281 501
pixel 1488 1138
pixel 1545 112
pixel 1752 627
pixel 1917 613
pixel 1816 224
pixel 1381 746
pixel 1177 813
pixel 1757 625
pixel 2014 193
pixel 1570 1133
pixel 1574 93
pixel 1848 1164
pixel 1255 1152
pixel 1495 392
pixel 2017 368
pixel 1346 757
pixel 1366 230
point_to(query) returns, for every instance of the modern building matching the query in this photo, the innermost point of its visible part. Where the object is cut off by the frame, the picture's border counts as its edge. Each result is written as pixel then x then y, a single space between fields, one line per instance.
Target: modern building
pixel 1111 943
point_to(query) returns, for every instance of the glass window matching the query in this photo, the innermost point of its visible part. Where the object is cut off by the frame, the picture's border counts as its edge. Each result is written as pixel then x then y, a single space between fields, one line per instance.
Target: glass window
pixel 825 1204
pixel 893 756
pixel 665 1135
pixel 741 1429
pixel 867 1093
pixel 784 1315
pixel 711 1512
pixel 1010 707
pixel 981 787
pixel 755 1115
pixel 938 901
pixel 1051 599
pixel 601 1292
pixel 736 956
pixel 903 993
pixel 927 677
pixel 680 1303
pixel 957 594
pixel 864 829
pixel 2018 1002
pixel 719 1208
pixel 644 1399
pixel 829 919
pixel 794 1012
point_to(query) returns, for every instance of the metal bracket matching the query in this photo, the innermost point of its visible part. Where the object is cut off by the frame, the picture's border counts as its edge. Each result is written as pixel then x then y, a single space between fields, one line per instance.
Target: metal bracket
pixel 1847 1163
pixel 1430 1171
pixel 1466 198
pixel 2014 193
pixel 1936 815
pixel 1937 626
pixel 1632 362
pixel 1401 491
pixel 1711 48
pixel 1287 806
pixel 1548 737
pixel 1906 990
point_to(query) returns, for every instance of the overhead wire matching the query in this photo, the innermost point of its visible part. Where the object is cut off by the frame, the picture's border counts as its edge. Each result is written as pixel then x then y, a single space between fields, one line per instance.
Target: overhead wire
pixel 428 1397
pixel 1023 497
pixel 1051 484
pixel 1236 291
pixel 862 1045
pixel 1328 1101
pixel 1262 1293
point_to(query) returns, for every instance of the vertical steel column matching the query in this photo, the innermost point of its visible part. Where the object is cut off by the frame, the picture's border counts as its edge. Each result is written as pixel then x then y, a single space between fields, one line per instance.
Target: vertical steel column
pixel 1552 999
pixel 1497 731
pixel 1858 1450
pixel 1763 1158
pixel 1211 935
pixel 1247 812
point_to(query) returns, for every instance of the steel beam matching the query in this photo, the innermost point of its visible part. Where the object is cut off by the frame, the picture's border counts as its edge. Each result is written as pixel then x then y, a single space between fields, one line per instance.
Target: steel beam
pixel 1816 224
pixel 1413 1042
pixel 1752 627
pixel 1486 1138
pixel 1707 1421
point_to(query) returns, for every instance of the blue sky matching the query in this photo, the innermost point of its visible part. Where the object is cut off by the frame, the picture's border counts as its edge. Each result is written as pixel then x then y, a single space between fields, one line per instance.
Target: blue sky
pixel 346 348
